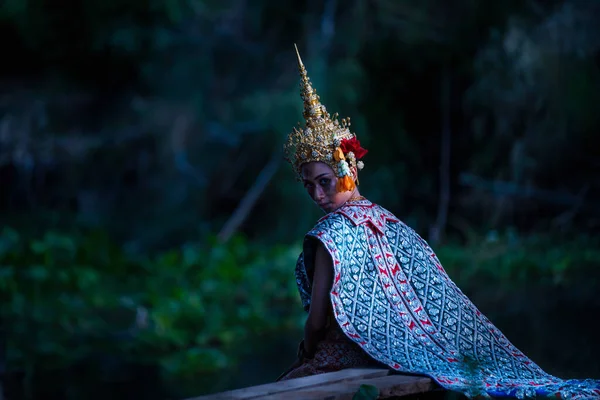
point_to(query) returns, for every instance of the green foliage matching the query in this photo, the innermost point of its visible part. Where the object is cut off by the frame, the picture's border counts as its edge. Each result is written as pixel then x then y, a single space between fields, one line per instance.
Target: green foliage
pixel 192 310
pixel 189 310
pixel 510 261
pixel 366 392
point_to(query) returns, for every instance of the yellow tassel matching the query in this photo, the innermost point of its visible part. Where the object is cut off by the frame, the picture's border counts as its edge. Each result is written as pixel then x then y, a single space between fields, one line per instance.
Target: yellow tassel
pixel 345 184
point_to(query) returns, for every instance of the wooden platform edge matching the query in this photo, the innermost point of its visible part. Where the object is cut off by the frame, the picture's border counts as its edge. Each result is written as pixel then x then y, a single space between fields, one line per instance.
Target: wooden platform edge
pixel 389 386
pixel 280 388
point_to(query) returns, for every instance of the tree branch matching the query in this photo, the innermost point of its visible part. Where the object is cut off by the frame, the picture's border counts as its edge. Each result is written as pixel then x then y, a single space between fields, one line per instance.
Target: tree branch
pixel 437 230
pixel 250 199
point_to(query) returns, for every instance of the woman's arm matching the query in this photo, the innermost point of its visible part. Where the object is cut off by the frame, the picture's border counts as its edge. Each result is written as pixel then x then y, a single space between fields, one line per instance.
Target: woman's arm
pixel 320 303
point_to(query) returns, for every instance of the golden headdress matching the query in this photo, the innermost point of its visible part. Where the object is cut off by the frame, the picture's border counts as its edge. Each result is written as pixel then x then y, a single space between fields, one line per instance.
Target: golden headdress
pixel 323 138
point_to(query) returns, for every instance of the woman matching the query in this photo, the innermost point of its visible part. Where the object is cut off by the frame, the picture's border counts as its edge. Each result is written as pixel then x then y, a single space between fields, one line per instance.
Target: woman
pixel 375 291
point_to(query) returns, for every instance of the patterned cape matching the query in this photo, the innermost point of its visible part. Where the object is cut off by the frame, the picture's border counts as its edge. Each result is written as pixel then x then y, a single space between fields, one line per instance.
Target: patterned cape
pixel 391 296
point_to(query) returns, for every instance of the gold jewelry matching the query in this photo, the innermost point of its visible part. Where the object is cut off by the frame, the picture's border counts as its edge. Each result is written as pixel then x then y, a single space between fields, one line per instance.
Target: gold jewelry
pixel 321 136
pixel 356 198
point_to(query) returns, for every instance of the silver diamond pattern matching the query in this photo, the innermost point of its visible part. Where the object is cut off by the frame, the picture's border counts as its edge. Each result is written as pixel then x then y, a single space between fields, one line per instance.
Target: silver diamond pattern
pixel 392 296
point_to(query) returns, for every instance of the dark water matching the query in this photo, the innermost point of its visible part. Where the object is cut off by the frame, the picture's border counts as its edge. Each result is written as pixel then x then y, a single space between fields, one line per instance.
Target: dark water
pixel 557 327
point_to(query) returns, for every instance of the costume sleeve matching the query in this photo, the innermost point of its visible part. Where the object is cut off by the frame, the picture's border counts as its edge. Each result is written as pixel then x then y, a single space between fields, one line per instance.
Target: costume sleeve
pixel 304 286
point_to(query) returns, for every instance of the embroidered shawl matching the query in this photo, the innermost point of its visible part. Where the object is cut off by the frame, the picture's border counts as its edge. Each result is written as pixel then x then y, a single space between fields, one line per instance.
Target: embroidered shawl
pixel 392 296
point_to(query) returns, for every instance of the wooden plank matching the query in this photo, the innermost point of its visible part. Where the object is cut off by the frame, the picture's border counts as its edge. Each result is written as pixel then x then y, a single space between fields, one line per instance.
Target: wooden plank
pixel 404 385
pixel 389 386
pixel 283 387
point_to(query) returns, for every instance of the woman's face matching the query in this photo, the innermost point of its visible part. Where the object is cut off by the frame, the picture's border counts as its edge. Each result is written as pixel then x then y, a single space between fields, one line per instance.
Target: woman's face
pixel 320 182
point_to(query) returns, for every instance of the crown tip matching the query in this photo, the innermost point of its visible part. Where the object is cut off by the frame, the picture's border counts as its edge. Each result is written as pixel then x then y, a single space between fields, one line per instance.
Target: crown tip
pixel 300 64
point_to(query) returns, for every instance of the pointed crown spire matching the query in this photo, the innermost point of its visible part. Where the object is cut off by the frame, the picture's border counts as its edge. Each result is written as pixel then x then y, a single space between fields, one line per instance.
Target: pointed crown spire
pixel 322 133
pixel 312 106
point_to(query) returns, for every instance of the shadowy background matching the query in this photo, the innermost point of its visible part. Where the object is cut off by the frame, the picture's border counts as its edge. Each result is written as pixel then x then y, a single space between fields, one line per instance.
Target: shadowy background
pixel 149 226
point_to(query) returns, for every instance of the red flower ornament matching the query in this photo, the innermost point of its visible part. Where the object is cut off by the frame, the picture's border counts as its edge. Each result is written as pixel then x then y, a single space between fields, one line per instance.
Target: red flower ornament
pixel 353 145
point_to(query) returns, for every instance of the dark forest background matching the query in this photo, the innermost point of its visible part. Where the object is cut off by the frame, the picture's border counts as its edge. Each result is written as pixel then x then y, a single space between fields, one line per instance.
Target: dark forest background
pixel 149 226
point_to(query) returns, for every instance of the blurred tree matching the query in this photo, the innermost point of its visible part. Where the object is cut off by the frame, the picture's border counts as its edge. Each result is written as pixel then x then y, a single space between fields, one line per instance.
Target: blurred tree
pixel 533 100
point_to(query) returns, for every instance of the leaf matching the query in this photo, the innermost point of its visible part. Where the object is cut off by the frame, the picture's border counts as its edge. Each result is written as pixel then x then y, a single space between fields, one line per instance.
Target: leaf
pixel 9 238
pixel 6 272
pixel 86 277
pixel 170 258
pixel 60 242
pixel 191 256
pixel 366 392
pixel 38 247
pixel 38 272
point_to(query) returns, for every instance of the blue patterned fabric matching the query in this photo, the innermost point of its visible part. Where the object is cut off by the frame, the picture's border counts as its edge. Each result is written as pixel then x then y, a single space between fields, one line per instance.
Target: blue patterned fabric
pixel 392 296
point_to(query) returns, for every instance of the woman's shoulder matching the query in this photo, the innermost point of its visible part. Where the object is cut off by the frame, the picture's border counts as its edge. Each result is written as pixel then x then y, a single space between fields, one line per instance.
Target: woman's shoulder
pixel 331 221
pixel 367 212
pixel 352 215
